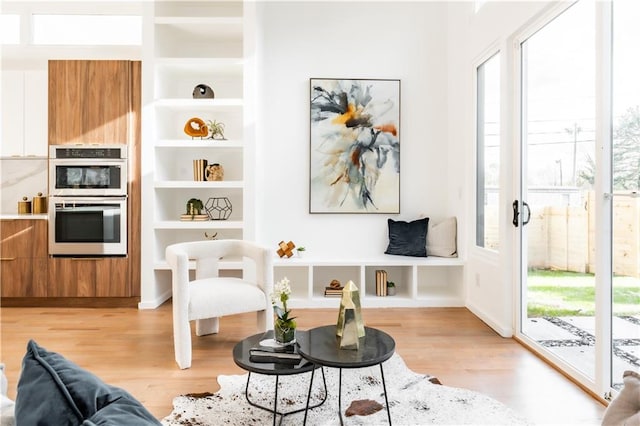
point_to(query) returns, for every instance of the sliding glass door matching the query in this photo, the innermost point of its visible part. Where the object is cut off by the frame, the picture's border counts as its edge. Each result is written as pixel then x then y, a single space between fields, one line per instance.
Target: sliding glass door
pixel 576 212
pixel 554 211
pixel 624 190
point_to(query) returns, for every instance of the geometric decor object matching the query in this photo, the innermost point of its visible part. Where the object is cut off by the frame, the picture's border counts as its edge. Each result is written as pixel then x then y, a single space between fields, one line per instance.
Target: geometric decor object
pixel 350 325
pixel 286 249
pixel 218 208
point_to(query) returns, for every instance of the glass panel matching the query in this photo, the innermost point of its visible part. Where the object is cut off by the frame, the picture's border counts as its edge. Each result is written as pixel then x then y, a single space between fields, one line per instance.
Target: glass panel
pixel 558 170
pixel 626 180
pixel 488 154
pixel 10 29
pixel 87 29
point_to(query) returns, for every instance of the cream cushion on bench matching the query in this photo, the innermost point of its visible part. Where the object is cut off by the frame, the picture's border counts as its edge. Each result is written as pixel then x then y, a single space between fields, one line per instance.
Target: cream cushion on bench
pixel 441 238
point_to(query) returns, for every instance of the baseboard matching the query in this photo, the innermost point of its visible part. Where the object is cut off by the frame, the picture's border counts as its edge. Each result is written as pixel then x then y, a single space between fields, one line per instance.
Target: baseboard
pixel 156 302
pixel 70 302
pixel 504 331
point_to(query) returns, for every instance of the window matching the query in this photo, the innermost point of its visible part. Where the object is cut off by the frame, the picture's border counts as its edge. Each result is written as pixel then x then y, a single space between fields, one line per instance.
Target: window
pixel 488 153
pixel 87 29
pixel 10 29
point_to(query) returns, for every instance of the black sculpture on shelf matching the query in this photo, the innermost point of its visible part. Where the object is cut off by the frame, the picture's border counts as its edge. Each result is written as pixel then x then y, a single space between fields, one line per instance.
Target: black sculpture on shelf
pixel 218 208
pixel 202 91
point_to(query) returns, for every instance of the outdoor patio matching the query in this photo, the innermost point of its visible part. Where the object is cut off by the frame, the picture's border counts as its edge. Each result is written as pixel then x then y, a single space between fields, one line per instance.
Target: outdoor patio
pixel 573 337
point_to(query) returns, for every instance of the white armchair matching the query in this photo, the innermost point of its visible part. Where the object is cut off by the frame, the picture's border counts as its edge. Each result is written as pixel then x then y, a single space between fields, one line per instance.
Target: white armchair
pixel 209 296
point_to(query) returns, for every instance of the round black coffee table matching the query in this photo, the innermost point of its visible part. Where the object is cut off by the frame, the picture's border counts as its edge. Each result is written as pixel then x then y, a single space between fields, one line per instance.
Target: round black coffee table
pixel 241 356
pixel 321 346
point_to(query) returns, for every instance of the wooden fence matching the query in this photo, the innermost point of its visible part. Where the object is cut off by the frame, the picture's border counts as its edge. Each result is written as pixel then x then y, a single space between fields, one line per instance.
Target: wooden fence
pixel 563 238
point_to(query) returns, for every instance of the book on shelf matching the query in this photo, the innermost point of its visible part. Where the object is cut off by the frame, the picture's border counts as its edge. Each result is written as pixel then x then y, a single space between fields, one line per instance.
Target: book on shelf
pixel 381 282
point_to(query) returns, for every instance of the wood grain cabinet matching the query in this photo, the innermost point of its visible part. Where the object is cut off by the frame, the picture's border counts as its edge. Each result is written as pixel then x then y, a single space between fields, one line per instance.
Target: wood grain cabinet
pixel 23 254
pixel 89 277
pixel 90 101
pixel 98 102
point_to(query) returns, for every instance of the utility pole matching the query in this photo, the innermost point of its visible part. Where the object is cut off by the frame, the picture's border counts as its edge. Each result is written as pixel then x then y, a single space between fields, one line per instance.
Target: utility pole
pixel 576 129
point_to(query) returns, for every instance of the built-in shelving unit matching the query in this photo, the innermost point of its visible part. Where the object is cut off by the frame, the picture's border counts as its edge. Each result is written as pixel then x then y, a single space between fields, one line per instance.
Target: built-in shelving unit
pixel 195 42
pixel 420 282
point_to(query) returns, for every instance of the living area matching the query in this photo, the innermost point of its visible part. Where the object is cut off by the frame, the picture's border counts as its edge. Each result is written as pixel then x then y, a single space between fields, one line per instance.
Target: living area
pixel 451 319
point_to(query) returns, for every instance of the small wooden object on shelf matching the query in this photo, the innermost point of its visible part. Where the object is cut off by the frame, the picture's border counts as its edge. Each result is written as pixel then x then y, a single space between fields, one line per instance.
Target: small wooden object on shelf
pixel 286 249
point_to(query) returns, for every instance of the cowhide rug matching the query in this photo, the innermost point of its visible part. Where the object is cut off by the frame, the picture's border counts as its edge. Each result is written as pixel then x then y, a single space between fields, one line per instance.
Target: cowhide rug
pixel 413 400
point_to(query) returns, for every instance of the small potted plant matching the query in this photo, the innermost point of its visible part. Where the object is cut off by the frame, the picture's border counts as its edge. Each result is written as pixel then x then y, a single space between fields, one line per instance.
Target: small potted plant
pixel 216 130
pixel 300 251
pixel 391 288
pixel 284 326
pixel 194 206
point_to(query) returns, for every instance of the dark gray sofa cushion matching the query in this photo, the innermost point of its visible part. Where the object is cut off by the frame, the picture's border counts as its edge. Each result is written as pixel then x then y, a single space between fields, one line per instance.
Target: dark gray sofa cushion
pixel 54 391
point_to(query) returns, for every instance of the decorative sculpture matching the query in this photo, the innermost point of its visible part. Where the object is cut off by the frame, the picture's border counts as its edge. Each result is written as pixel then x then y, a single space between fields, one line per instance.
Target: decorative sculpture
pixel 214 172
pixel 202 91
pixel 196 127
pixel 350 326
pixel 286 249
pixel 218 208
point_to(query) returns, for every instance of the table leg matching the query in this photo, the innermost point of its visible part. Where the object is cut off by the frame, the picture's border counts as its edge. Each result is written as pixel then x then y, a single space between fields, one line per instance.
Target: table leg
pixel 275 399
pixel 275 403
pixel 386 401
pixel 324 381
pixel 340 395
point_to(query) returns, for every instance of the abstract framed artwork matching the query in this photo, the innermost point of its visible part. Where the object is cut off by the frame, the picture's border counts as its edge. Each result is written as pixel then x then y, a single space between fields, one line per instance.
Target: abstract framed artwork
pixel 355 146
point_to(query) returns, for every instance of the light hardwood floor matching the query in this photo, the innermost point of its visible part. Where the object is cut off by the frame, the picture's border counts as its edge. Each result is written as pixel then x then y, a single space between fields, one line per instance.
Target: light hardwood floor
pixel 133 349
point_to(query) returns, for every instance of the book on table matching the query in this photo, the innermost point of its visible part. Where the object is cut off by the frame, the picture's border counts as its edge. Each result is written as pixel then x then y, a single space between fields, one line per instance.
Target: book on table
pixel 269 355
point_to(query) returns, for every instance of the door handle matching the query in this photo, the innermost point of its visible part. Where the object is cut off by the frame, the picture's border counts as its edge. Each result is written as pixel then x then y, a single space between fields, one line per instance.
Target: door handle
pixel 525 221
pixel 516 213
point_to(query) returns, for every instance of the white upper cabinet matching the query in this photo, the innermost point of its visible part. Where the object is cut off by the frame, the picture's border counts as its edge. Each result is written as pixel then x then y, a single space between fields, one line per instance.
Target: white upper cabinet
pixel 24 113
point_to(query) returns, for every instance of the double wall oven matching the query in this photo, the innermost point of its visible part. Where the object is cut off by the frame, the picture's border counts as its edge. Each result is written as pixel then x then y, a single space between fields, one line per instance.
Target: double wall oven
pixel 88 200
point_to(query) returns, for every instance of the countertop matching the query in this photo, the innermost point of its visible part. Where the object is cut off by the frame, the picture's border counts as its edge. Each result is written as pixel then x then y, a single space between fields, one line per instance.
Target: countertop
pixel 12 216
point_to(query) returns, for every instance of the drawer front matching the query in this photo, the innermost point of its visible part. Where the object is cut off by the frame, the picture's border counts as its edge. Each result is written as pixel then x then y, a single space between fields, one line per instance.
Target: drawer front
pixel 23 238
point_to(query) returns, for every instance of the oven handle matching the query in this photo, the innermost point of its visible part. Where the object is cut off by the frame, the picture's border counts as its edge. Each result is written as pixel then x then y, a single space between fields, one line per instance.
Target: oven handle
pixel 86 258
pixel 80 198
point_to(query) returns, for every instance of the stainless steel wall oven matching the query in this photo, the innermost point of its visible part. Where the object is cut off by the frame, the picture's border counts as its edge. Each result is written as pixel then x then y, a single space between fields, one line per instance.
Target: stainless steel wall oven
pixel 88 200
pixel 91 170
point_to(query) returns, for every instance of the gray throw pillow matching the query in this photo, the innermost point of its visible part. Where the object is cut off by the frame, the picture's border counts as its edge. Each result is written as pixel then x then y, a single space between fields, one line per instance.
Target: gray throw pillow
pixel 54 391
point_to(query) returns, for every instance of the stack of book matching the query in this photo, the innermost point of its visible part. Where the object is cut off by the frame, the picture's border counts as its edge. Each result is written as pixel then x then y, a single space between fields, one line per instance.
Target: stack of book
pixel 275 355
pixel 381 282
pixel 333 291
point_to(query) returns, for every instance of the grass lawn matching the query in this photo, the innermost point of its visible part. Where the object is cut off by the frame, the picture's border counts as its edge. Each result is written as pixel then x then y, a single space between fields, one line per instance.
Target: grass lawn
pixel 561 293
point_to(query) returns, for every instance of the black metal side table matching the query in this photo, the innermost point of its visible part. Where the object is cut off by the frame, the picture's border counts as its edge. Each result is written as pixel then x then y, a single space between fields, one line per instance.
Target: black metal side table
pixel 321 346
pixel 241 357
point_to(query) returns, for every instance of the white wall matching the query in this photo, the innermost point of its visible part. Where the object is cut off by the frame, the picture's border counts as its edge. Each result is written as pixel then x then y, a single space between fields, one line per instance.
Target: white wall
pixel 489 281
pixel 394 40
